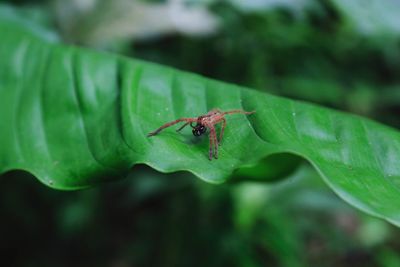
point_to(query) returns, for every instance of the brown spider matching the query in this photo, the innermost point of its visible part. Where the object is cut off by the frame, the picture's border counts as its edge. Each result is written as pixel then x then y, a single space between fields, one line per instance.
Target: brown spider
pixel 203 122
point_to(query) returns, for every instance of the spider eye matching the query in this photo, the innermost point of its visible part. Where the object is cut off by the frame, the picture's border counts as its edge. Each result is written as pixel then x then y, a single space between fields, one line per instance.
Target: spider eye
pixel 199 130
pixel 196 132
pixel 202 129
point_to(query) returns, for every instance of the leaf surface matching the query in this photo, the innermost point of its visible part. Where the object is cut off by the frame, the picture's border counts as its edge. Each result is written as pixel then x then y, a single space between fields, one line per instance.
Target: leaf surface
pixel 74 118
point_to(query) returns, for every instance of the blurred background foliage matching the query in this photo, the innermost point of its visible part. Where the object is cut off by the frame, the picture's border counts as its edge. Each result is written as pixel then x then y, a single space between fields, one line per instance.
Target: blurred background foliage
pixel 343 54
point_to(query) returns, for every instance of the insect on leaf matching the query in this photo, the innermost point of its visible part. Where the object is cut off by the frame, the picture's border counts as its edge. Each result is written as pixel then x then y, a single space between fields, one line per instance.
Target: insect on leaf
pixel 75 118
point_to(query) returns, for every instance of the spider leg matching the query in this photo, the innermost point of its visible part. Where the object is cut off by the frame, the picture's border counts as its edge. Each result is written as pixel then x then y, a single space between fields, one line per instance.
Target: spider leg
pixel 183 126
pixel 213 111
pixel 221 134
pixel 213 137
pixel 188 120
pixel 215 145
pixel 238 111
pixel 210 151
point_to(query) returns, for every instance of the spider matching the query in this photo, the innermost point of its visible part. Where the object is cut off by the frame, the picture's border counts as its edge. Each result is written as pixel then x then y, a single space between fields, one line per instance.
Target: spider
pixel 201 123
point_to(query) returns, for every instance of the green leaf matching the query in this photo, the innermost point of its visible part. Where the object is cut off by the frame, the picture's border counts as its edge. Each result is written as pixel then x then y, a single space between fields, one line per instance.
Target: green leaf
pixel 74 118
pixel 27 20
